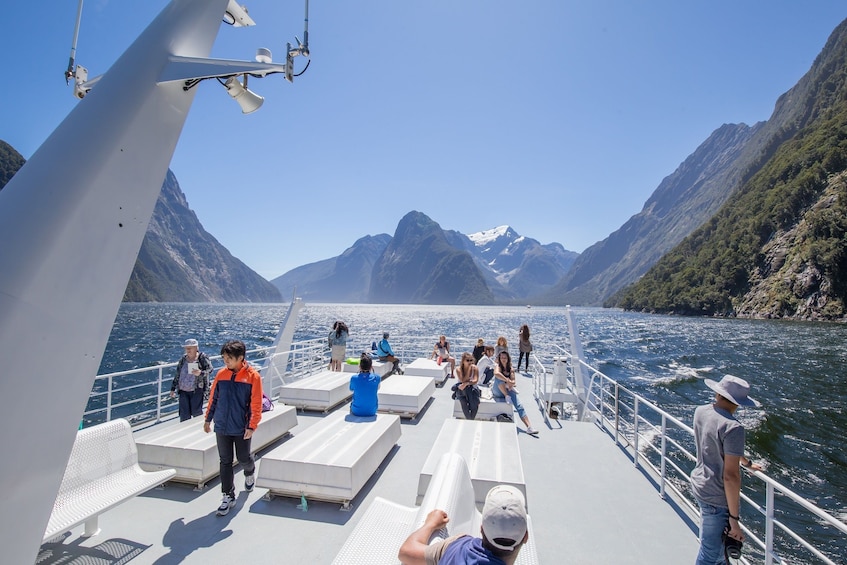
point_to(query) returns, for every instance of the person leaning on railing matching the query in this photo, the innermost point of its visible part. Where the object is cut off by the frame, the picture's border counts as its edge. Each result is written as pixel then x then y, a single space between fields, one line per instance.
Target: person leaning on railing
pixel 716 479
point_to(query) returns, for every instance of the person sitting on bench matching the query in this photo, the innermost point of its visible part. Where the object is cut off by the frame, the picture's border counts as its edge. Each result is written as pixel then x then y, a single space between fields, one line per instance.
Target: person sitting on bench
pixel 385 353
pixel 504 531
pixel 364 385
pixel 441 352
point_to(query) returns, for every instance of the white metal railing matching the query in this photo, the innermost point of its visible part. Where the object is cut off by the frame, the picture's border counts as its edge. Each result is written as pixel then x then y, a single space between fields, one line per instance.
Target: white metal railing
pixel 656 441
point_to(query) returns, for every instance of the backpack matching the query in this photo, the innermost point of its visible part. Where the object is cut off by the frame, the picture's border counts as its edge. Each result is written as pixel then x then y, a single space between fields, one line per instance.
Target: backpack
pixel 267 403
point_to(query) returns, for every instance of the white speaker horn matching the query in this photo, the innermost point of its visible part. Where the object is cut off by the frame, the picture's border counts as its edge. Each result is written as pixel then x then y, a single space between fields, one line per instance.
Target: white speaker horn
pixel 249 101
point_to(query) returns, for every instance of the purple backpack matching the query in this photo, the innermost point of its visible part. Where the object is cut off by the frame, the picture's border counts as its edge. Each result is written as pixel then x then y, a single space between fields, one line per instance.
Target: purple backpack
pixel 267 404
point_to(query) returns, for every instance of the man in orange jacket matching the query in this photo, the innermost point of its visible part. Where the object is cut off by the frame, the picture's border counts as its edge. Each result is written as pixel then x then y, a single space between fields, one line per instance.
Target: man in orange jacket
pixel 235 404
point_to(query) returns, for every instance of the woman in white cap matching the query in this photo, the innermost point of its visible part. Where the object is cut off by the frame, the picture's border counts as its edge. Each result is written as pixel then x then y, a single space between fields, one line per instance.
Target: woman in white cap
pixel 191 379
pixel 716 479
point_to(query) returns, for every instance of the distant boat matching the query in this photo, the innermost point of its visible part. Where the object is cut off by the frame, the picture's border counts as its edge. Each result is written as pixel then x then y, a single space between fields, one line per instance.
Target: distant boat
pixel 529 305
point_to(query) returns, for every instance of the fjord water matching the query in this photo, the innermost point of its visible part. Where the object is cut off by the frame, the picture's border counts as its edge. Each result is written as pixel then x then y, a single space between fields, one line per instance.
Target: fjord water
pixel 797 370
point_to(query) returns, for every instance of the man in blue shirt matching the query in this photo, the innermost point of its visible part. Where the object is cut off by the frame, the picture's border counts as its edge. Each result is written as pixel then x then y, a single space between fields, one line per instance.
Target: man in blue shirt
pixel 385 353
pixel 504 531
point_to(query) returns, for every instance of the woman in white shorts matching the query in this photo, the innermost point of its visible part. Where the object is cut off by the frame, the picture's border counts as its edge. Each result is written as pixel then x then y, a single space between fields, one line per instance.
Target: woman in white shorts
pixel 338 345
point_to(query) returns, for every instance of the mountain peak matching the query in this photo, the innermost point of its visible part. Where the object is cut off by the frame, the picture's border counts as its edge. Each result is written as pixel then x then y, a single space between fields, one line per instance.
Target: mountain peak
pixel 485 237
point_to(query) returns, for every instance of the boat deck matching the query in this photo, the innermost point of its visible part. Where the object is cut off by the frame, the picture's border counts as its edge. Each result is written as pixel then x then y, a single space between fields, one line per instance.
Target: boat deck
pixel 587 501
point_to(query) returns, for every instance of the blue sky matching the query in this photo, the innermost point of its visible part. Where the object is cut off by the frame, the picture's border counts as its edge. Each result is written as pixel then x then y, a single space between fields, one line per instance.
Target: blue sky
pixel 557 117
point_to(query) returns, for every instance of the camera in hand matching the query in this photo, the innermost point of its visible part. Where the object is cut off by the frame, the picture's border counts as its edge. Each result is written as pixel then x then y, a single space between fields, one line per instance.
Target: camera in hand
pixel 732 545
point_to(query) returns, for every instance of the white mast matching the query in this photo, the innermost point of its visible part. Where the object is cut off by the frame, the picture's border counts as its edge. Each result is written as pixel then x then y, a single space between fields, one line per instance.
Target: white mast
pixel 72 221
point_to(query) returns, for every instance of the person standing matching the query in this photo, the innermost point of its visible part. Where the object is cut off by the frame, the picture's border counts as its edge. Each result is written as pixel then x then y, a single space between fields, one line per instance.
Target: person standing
pixel 524 347
pixel 716 478
pixel 365 387
pixel 337 344
pixel 500 346
pixel 235 405
pixel 192 380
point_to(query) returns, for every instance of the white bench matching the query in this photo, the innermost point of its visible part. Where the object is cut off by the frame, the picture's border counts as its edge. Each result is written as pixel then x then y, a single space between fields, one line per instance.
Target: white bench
pixel 331 460
pixel 380 368
pixel 320 391
pixel 489 408
pixel 404 396
pixel 385 525
pixel 490 450
pixel 102 472
pixel 421 367
pixel 193 453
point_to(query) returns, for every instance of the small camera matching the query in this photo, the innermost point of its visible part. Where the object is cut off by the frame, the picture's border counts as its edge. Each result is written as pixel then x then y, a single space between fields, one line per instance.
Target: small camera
pixel 732 545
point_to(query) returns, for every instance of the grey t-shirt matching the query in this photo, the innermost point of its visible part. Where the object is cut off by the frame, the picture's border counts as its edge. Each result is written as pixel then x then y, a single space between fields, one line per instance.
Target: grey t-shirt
pixel 717 433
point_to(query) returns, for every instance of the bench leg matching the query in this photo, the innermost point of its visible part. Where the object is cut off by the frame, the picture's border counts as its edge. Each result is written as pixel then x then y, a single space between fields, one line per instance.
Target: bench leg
pixel 346 506
pixel 91 527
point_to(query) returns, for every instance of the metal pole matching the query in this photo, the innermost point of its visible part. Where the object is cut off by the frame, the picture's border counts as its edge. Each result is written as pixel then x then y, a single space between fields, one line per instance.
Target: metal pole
pixel 635 437
pixel 769 525
pixel 664 455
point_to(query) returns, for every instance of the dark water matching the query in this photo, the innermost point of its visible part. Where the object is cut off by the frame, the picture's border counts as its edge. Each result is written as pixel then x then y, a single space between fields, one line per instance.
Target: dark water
pixel 798 371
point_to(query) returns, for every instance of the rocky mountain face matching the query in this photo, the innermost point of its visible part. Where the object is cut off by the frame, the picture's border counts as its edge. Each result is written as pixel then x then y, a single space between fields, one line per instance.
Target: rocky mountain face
pixel 346 278
pixel 513 268
pixel 778 247
pixel 10 162
pixel 179 261
pixel 420 266
pixel 680 204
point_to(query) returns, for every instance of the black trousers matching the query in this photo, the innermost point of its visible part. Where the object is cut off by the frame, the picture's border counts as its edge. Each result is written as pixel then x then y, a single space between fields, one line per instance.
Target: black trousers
pixel 225 452
pixel 190 404
pixel 520 358
pixel 469 401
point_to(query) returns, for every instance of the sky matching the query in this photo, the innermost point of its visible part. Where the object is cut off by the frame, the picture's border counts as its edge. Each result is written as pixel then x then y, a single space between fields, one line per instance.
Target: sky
pixel 557 117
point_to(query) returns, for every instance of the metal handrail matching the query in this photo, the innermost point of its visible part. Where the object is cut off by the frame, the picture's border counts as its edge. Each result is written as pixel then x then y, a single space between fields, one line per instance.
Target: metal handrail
pixel 642 439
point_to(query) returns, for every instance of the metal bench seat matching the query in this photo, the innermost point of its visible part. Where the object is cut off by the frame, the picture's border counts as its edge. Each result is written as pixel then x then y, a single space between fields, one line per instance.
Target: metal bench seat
pixel 331 460
pixel 421 367
pixel 193 454
pixel 490 450
pixel 101 473
pixel 404 396
pixel 380 368
pixel 320 391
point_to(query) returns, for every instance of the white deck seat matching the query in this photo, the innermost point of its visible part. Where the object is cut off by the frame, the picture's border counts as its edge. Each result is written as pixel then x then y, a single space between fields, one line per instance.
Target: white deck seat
pixel 385 525
pixel 332 459
pixel 490 449
pixel 489 408
pixel 380 368
pixel 404 396
pixel 193 453
pixel 320 391
pixel 102 472
pixel 421 367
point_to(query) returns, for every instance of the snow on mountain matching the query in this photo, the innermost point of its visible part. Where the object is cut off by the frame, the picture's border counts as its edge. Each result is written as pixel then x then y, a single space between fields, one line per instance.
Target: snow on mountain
pixel 485 237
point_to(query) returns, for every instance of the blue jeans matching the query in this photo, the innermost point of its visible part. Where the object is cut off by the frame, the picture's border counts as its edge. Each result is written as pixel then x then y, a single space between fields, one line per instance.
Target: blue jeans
pixel 713 520
pixel 498 394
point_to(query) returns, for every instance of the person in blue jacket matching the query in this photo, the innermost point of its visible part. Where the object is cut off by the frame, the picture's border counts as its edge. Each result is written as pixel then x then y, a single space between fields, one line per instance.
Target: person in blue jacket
pixel 385 353
pixel 364 385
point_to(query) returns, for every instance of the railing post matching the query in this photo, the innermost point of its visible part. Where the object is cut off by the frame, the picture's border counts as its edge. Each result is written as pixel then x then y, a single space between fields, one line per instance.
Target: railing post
pixel 602 403
pixel 109 400
pixel 664 454
pixel 617 414
pixel 635 433
pixel 769 525
pixel 159 398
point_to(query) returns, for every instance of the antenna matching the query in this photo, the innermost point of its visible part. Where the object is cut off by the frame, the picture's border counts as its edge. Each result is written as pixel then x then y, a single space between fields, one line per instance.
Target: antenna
pixel 301 49
pixel 72 60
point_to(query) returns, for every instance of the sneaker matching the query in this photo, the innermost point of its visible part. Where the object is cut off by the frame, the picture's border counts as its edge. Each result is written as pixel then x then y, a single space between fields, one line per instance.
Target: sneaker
pixel 227 503
pixel 532 431
pixel 249 481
